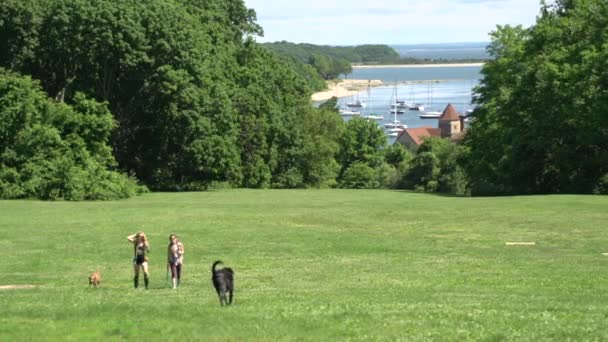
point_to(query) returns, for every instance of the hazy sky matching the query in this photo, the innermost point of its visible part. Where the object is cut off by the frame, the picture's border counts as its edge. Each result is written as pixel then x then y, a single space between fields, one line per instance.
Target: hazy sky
pixel 351 22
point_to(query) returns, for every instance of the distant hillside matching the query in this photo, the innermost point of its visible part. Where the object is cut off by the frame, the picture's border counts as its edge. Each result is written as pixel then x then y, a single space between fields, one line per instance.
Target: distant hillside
pixel 316 63
pixel 366 54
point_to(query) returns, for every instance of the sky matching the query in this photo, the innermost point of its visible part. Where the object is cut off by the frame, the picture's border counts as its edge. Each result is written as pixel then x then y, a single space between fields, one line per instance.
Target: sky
pixel 354 22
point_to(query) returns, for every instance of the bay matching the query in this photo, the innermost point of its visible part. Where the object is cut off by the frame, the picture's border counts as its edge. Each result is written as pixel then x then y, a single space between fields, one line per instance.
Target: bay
pixel 433 87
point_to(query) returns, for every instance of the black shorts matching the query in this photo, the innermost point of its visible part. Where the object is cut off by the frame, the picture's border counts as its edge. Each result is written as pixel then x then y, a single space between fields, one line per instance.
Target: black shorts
pixel 140 259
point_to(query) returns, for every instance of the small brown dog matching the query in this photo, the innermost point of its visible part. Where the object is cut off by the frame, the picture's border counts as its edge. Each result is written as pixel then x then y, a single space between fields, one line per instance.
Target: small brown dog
pixel 94 279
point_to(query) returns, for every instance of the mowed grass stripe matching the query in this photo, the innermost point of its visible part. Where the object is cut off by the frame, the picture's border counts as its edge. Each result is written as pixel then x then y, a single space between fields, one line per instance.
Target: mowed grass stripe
pixel 310 265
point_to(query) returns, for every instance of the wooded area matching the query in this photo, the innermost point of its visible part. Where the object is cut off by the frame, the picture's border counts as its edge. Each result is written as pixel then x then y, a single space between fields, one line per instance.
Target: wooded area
pixel 97 97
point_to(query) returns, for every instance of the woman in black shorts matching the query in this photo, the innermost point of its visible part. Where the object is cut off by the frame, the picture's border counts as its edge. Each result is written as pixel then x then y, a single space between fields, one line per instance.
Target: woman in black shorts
pixel 140 261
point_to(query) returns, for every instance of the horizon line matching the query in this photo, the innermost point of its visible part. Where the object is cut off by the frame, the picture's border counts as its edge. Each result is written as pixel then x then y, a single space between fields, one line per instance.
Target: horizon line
pixel 445 43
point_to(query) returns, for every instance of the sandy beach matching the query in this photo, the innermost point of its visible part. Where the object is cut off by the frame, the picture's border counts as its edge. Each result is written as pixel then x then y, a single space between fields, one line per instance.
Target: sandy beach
pixel 417 65
pixel 344 88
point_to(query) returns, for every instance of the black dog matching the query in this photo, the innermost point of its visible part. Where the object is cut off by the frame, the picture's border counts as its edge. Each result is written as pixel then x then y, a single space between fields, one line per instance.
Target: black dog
pixel 223 281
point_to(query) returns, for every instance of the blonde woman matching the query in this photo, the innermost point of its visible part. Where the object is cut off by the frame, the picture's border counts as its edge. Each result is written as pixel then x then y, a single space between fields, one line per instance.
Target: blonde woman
pixel 175 259
pixel 140 261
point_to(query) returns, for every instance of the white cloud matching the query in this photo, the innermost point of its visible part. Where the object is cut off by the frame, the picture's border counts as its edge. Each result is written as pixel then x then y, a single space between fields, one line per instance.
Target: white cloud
pixel 343 22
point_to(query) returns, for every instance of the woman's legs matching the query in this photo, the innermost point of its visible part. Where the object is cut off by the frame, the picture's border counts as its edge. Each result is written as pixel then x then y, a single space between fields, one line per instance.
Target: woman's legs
pixel 136 277
pixel 174 274
pixel 179 273
pixel 144 266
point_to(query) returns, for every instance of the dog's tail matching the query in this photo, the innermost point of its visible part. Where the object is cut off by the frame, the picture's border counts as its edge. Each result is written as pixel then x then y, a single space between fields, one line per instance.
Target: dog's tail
pixel 215 264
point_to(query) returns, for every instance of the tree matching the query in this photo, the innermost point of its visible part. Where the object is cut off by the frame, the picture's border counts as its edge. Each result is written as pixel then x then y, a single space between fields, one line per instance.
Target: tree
pixel 542 125
pixel 436 168
pixel 322 128
pixel 50 150
pixel 196 100
pixel 362 142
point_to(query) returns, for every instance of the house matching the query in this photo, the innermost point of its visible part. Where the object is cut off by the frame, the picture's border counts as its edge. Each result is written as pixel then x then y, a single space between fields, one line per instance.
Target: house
pixel 414 137
pixel 451 125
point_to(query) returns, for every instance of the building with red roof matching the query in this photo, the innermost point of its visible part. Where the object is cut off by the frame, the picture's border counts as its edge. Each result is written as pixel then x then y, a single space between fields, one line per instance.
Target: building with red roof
pixel 450 127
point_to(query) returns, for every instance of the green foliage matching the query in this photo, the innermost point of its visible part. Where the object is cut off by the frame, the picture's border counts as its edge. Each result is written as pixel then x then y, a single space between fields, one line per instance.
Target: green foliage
pixel 397 163
pixel 436 168
pixel 541 126
pixel 601 188
pixel 352 54
pixel 374 54
pixel 398 156
pixel 54 151
pixel 307 72
pixel 320 145
pixel 330 61
pixel 362 142
pixel 331 105
pixel 196 100
pixel 359 176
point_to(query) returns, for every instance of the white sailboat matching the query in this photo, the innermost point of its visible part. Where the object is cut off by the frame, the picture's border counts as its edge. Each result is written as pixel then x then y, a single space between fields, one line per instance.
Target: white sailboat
pixel 355 103
pixel 370 115
pixel 394 128
pixel 394 107
pixel 468 107
pixel 348 112
pixel 431 114
pixel 413 105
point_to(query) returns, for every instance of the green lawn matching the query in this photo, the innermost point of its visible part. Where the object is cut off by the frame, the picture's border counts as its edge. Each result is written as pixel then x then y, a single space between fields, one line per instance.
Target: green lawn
pixel 311 265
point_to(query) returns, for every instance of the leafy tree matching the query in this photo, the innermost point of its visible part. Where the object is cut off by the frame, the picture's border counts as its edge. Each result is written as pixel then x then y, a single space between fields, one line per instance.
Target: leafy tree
pixel 196 100
pixel 541 125
pixel 322 64
pixel 322 127
pixel 436 168
pixel 359 176
pixel 54 151
pixel 398 156
pixel 361 142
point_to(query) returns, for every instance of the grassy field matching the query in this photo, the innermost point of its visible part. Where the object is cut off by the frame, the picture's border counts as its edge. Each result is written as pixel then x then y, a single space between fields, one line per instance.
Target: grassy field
pixel 310 265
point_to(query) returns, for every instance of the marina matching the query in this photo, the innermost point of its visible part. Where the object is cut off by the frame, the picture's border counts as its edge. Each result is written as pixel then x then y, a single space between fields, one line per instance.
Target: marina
pixel 423 93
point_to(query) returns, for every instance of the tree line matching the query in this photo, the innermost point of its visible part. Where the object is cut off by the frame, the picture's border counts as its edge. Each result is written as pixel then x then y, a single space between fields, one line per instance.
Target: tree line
pixel 106 99
pixel 318 63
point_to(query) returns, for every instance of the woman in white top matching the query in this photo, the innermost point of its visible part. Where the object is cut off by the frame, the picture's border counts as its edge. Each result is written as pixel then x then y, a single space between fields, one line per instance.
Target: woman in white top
pixel 140 261
pixel 175 258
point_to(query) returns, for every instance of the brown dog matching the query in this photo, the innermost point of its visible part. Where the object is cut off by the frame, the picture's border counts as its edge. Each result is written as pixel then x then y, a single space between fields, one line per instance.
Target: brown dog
pixel 94 279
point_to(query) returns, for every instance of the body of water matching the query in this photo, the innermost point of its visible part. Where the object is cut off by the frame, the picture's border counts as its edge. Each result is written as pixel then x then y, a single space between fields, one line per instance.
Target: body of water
pixel 444 51
pixel 433 87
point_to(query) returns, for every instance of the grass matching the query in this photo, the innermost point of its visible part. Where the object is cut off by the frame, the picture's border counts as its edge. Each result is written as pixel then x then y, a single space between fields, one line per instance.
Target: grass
pixel 310 265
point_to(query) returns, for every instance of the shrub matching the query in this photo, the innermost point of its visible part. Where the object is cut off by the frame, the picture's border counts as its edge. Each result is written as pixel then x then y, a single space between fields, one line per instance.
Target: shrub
pixel 359 176
pixel 601 188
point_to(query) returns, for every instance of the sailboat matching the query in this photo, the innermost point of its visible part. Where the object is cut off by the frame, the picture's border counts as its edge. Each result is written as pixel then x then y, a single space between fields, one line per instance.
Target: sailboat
pixel 413 105
pixel 430 114
pixel 394 105
pixel 348 112
pixel 370 115
pixel 402 104
pixel 394 128
pixel 468 111
pixel 355 103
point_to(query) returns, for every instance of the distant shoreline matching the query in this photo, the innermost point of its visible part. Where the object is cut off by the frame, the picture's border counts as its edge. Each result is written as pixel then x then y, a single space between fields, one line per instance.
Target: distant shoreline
pixel 344 88
pixel 443 65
